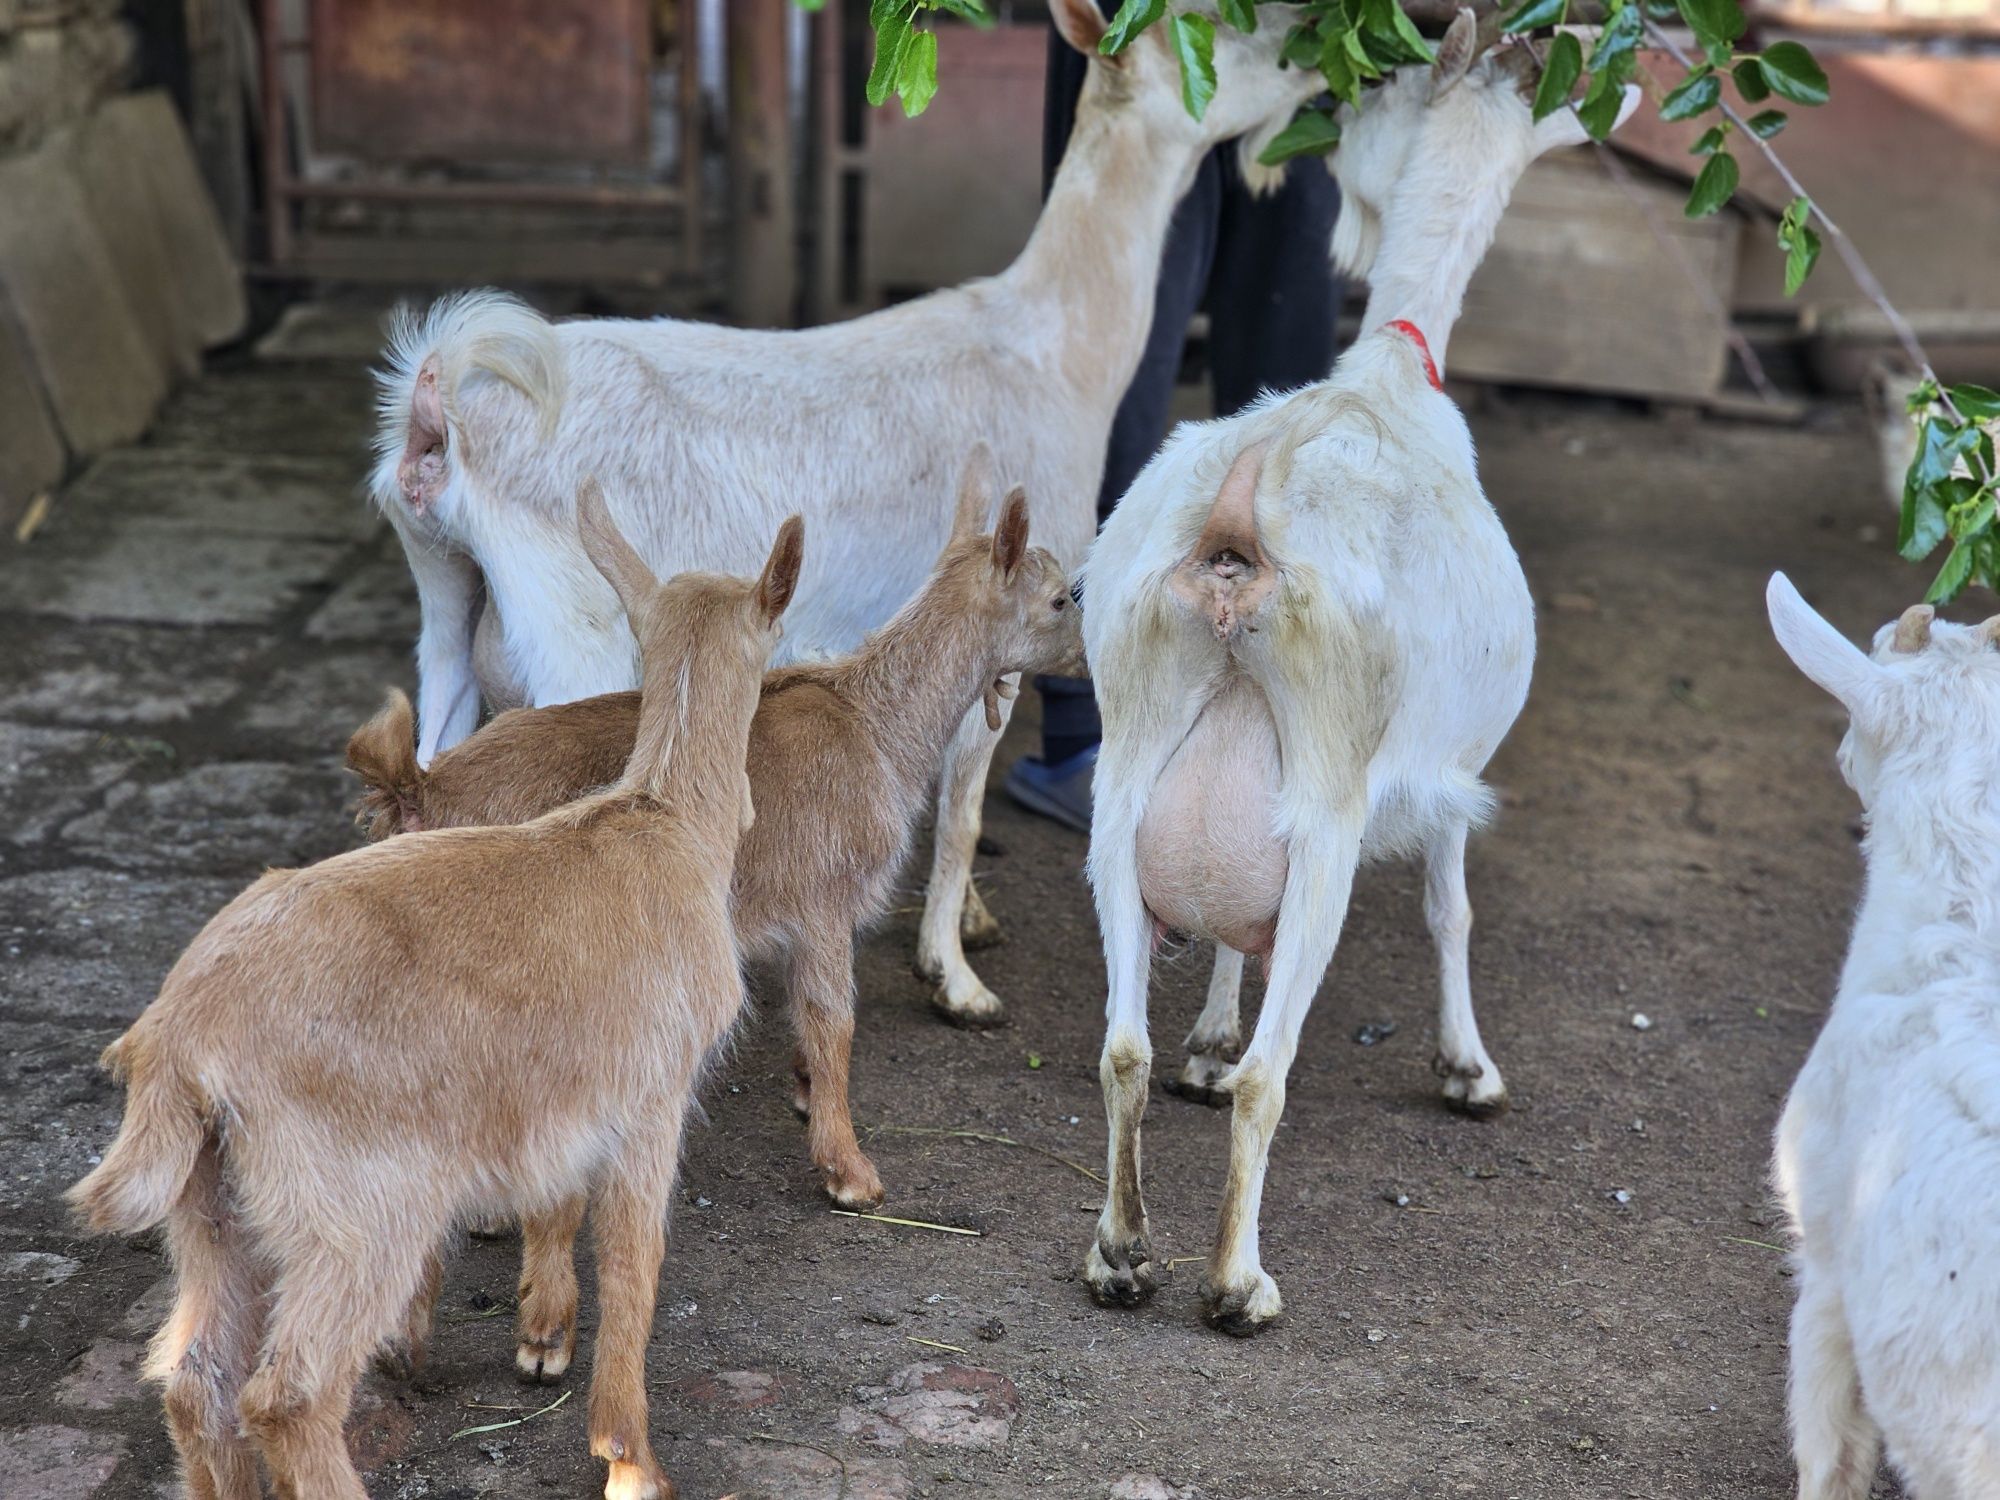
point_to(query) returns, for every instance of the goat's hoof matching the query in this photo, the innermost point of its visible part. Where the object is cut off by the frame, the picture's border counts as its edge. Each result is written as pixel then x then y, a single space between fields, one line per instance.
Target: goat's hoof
pixel 1199 1080
pixel 544 1360
pixel 640 1481
pixel 1123 1277
pixel 978 929
pixel 401 1362
pixel 1476 1092
pixel 1241 1311
pixel 980 1010
pixel 855 1185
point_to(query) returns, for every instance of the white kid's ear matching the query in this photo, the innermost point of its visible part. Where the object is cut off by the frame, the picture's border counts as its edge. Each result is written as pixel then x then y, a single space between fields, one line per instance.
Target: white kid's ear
pixel 1818 650
pixel 1563 128
pixel 1080 23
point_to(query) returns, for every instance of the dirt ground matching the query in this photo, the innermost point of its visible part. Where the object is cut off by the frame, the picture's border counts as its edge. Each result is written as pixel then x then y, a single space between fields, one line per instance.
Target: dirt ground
pixel 1583 1298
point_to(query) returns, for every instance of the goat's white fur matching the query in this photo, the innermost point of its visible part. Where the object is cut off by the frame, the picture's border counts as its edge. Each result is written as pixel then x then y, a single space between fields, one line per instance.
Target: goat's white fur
pixel 1392 654
pixel 704 437
pixel 1888 1151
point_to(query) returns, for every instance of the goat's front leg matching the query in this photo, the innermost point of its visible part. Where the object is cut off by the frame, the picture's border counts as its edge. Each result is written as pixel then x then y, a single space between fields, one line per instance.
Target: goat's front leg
pixel 1472 1082
pixel 547 1326
pixel 960 997
pixel 1237 1294
pixel 822 986
pixel 1217 1039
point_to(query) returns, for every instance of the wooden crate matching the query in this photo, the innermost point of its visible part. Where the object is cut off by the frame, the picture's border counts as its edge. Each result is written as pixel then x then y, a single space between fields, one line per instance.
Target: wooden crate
pixel 1580 291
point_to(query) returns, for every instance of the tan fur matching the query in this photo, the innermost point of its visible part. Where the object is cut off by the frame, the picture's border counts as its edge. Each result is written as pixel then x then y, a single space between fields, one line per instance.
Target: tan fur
pixel 842 757
pixel 350 1059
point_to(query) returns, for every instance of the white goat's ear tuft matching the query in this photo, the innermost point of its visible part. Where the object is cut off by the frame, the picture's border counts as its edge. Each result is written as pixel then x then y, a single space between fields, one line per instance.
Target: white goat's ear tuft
pixel 1454 53
pixel 1260 179
pixel 1818 650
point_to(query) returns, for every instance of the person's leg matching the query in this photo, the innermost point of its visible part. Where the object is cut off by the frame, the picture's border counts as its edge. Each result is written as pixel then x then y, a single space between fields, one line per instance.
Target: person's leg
pixel 1274 297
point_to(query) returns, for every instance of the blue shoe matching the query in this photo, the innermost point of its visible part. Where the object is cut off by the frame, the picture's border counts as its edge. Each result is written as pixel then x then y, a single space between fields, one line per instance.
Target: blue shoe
pixel 1060 791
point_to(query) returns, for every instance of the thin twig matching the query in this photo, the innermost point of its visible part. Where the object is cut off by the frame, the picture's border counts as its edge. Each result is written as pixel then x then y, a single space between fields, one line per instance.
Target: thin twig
pixel 992 1140
pixel 1849 253
pixel 1737 1239
pixel 934 1344
pixel 499 1426
pixel 848 1213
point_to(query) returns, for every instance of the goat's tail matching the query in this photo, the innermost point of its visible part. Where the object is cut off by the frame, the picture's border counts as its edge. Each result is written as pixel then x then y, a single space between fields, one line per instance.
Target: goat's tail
pixel 1357 235
pixel 164 1129
pixel 430 357
pixel 383 753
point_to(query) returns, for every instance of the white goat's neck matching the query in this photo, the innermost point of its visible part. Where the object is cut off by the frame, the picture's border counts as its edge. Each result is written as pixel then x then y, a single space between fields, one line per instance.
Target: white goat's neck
pixel 1930 907
pixel 1435 232
pixel 1094 258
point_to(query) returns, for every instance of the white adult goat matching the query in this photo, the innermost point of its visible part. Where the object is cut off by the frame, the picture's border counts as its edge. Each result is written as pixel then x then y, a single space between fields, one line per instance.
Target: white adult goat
pixel 1888 1152
pixel 1309 633
pixel 706 437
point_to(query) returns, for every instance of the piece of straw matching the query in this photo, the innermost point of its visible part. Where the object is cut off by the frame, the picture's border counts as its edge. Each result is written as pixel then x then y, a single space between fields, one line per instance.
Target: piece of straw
pixel 848 1213
pixel 498 1426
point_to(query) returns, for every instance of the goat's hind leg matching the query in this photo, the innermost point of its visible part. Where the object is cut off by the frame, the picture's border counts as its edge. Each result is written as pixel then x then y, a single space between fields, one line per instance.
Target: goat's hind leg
pixel 547 1328
pixel 960 997
pixel 1217 1039
pixel 1472 1082
pixel 1834 1440
pixel 203 1354
pixel 821 981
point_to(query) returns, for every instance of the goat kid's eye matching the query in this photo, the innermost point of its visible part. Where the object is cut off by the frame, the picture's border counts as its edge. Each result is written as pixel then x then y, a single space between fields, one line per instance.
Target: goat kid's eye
pixel 1059 603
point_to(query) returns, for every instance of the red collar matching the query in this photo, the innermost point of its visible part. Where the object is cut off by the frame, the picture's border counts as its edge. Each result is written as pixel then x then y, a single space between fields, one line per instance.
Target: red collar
pixel 1416 336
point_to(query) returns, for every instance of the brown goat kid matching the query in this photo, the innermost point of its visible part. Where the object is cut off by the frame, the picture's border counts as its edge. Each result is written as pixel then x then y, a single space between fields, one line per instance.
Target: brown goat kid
pixel 842 758
pixel 352 1058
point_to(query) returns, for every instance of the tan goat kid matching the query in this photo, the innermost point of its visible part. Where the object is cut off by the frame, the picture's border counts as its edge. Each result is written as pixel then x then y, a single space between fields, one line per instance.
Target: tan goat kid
pixel 352 1058
pixel 843 755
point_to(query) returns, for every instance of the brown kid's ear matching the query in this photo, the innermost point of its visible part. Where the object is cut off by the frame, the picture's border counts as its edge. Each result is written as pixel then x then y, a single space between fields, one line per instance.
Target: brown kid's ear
pixel 1454 53
pixel 975 493
pixel 611 554
pixel 781 570
pixel 1010 537
pixel 1081 24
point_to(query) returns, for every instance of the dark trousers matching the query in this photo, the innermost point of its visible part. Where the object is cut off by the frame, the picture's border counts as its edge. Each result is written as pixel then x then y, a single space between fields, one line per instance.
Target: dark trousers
pixel 1262 269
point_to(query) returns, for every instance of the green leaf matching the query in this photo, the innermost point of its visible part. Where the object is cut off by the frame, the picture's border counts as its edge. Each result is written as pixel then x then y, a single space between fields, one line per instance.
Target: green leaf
pixel 1034 1059
pixel 1386 21
pixel 1921 398
pixel 1242 14
pixel 1341 79
pixel 892 39
pixel 814 5
pixel 1953 576
pixel 1800 242
pixel 1601 103
pixel 1944 444
pixel 968 10
pixel 916 79
pixel 1792 74
pixel 1619 39
pixel 1976 403
pixel 1133 17
pixel 1313 132
pixel 1193 39
pixel 1559 74
pixel 1711 140
pixel 1767 124
pixel 1301 49
pixel 1535 14
pixel 1715 24
pixel 1750 81
pixel 1701 90
pixel 1922 525
pixel 1969 522
pixel 1713 186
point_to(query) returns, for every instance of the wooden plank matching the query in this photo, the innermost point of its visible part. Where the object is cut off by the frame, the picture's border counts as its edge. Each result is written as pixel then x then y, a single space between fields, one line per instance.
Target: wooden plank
pixel 1575 261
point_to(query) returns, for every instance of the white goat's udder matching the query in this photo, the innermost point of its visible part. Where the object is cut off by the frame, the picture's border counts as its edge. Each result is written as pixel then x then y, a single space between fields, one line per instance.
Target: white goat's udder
pixel 1210 860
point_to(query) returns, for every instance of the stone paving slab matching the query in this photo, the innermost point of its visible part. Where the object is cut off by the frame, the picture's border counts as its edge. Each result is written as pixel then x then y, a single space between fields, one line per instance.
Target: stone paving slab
pixel 305 497
pixel 123 675
pixel 315 705
pixel 102 377
pixel 375 602
pixel 253 410
pixel 225 818
pixel 48 776
pixel 91 946
pixel 169 575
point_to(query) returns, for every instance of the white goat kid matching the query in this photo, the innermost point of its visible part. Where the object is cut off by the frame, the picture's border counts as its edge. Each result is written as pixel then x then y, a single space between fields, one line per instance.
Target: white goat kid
pixel 1309 633
pixel 706 437
pixel 1888 1152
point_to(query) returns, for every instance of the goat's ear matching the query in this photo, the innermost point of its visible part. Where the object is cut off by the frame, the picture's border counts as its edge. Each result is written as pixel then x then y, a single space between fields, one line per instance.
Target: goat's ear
pixel 1010 537
pixel 1818 650
pixel 976 484
pixel 781 570
pixel 611 554
pixel 1563 128
pixel 1081 24
pixel 1454 53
